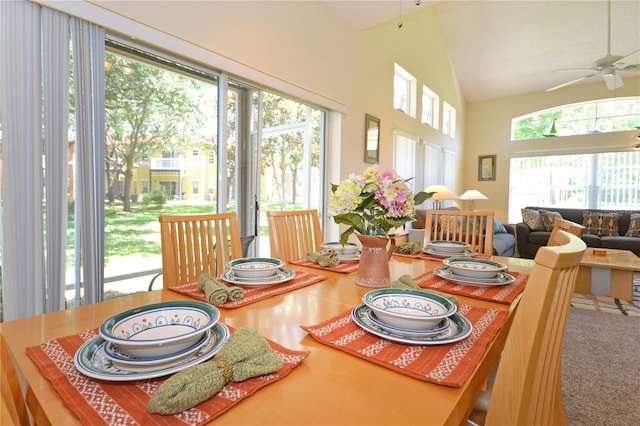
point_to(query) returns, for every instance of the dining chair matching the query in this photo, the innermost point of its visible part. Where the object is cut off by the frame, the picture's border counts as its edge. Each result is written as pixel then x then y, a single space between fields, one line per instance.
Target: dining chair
pixel 560 224
pixel 527 387
pixel 472 227
pixel 13 410
pixel 294 233
pixel 193 244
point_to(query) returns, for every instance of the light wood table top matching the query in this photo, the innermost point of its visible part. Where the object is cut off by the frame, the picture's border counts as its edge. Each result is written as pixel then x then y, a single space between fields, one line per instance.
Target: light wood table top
pixel 330 387
pixel 611 259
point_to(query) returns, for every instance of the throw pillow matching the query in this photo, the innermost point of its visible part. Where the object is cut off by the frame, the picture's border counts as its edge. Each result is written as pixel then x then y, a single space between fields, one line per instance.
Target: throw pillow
pixel 634 226
pixel 498 228
pixel 548 217
pixel 533 219
pixel 600 223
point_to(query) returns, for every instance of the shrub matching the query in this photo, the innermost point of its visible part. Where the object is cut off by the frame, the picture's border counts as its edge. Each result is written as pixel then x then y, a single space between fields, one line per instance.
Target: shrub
pixel 156 197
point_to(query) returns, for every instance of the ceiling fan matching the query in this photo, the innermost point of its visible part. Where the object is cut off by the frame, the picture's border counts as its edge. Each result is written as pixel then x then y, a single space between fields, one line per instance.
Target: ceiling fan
pixel 608 66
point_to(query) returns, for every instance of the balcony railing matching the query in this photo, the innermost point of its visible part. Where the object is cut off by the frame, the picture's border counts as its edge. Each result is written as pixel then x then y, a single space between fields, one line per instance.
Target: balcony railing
pixel 166 163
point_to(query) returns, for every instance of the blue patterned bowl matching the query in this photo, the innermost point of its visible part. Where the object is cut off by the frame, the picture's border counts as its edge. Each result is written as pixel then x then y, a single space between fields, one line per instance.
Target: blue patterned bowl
pixel 160 329
pixel 255 267
pixel 409 309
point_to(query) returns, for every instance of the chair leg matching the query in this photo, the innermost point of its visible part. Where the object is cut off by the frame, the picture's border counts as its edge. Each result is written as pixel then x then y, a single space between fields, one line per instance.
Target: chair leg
pixel 153 280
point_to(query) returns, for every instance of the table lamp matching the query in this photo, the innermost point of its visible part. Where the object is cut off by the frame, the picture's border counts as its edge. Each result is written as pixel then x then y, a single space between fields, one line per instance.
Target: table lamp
pixel 472 195
pixel 442 193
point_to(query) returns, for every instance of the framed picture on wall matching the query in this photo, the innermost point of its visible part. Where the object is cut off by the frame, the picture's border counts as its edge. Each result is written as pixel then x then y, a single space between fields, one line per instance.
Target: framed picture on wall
pixel 371 139
pixel 487 167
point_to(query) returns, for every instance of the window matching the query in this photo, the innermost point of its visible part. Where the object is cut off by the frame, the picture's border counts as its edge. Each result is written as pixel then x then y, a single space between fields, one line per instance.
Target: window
pixel 195 153
pixel 194 187
pixel 448 120
pixel 608 180
pixel 430 107
pixel 404 91
pixel 602 116
pixel 405 155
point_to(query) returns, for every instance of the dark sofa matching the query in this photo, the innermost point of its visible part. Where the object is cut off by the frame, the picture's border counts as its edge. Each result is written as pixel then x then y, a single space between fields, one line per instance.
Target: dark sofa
pixel 529 241
pixel 504 243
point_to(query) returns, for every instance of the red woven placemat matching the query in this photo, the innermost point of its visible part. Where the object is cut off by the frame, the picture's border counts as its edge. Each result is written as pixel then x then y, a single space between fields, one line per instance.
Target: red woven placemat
pixel 97 402
pixel 501 294
pixel 450 364
pixel 345 268
pixel 252 295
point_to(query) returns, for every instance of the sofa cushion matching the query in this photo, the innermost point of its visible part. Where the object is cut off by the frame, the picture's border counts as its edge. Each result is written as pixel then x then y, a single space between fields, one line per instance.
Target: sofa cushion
pixel 539 237
pixel 620 243
pixel 634 226
pixel 600 223
pixel 548 217
pixel 498 227
pixel 533 219
pixel 592 240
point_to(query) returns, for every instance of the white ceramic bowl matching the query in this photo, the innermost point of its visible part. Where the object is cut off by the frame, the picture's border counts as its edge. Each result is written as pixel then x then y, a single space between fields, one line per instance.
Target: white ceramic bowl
pixel 444 246
pixel 474 268
pixel 345 249
pixel 409 309
pixel 255 267
pixel 160 329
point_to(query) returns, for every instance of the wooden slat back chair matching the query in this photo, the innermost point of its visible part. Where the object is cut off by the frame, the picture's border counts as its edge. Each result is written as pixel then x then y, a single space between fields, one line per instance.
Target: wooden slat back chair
pixel 13 410
pixel 193 244
pixel 294 233
pixel 527 388
pixel 472 227
pixel 560 224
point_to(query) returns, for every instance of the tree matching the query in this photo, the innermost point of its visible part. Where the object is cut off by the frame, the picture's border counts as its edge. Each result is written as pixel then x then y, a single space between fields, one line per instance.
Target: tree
pixel 146 109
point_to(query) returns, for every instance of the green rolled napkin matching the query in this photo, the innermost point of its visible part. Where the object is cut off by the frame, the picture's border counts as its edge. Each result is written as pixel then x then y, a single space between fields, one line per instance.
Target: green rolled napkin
pixel 406 282
pixel 244 355
pixel 413 247
pixel 327 258
pixel 215 292
pixel 235 293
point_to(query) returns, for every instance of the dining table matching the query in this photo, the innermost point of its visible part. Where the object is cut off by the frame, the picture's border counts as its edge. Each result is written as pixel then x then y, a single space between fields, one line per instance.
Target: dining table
pixel 329 387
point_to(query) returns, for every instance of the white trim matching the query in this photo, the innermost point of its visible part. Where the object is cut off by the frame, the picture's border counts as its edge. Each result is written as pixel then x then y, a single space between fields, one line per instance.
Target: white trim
pixel 136 30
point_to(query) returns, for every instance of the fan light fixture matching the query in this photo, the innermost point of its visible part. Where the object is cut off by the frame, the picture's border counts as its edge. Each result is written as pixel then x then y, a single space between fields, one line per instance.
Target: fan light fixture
pixel 551 131
pixel 472 195
pixel 442 193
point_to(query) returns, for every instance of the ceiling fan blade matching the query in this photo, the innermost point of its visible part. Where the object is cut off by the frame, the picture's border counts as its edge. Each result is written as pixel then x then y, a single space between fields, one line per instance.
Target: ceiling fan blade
pixel 613 80
pixel 629 62
pixel 569 82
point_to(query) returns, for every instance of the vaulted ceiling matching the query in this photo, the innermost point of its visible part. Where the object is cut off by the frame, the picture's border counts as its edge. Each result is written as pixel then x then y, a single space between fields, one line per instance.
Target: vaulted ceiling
pixel 505 48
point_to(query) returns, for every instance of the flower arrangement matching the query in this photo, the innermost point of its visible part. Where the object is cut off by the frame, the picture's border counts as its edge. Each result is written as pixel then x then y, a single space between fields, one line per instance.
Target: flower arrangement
pixel 373 203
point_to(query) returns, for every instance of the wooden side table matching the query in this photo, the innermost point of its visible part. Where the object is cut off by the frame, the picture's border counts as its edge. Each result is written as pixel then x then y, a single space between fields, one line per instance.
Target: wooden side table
pixel 607 272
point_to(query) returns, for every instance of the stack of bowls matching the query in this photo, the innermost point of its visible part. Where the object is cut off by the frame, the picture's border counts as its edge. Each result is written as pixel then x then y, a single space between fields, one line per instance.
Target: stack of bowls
pixel 411 316
pixel 153 339
pixel 347 252
pixel 476 272
pixel 257 271
pixel 445 248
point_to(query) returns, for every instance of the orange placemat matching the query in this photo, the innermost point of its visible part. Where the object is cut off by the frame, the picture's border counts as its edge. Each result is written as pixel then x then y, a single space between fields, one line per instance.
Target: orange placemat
pixel 252 295
pixel 97 402
pixel 449 365
pixel 345 268
pixel 426 256
pixel 501 294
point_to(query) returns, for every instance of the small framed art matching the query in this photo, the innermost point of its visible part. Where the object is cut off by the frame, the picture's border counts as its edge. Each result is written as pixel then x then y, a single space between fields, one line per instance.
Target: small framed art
pixel 371 139
pixel 487 167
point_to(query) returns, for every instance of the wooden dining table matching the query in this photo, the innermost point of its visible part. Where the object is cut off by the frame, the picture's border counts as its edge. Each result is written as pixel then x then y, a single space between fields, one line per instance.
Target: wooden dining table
pixel 330 387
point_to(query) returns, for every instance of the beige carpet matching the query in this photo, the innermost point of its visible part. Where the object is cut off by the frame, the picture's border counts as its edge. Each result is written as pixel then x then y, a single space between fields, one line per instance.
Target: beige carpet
pixel 601 367
pixel 606 304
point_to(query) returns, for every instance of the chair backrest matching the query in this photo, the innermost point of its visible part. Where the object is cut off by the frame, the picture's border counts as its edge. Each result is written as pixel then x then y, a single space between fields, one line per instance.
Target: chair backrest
pixel 472 227
pixel 294 233
pixel 13 410
pixel 193 244
pixel 527 389
pixel 560 224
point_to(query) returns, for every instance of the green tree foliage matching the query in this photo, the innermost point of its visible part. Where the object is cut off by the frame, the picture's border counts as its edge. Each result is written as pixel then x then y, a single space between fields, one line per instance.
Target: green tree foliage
pixel 146 109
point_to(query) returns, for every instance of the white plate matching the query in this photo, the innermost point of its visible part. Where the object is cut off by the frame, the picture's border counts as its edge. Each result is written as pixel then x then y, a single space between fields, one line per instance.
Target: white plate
pixel 459 328
pixel 444 324
pixel 282 276
pixel 91 360
pixel 442 255
pixel 349 258
pixel 503 278
pixel 112 351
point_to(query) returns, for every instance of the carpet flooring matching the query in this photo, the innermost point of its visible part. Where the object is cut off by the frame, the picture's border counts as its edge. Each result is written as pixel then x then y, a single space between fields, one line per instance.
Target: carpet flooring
pixel 601 366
